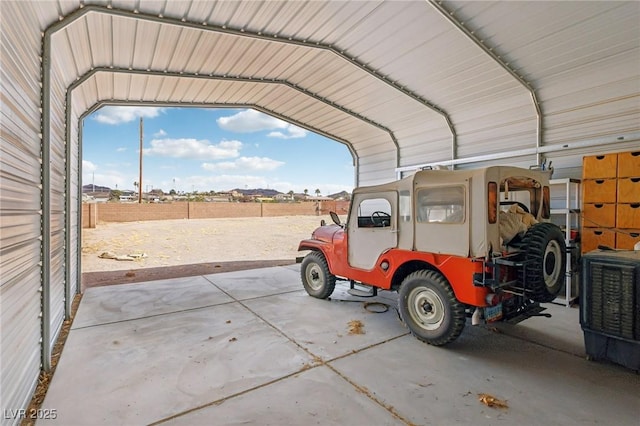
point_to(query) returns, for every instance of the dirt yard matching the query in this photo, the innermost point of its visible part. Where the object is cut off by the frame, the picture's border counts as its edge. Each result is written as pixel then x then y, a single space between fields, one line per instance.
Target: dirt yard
pixel 194 241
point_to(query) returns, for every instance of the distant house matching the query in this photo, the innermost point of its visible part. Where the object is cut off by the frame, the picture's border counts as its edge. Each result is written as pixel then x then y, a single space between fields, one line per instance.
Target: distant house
pixel 284 197
pixel 319 198
pixel 218 198
pixel 97 197
pixel 128 197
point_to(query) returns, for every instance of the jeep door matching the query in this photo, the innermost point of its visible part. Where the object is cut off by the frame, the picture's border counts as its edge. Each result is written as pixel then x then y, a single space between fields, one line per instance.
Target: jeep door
pixel 372 227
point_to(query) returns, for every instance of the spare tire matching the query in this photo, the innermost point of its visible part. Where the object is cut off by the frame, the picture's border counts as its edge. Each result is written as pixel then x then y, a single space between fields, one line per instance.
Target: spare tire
pixel 544 276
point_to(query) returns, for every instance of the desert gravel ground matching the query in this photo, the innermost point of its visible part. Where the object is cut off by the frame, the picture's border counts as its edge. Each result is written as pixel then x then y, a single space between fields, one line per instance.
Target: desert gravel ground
pixel 195 241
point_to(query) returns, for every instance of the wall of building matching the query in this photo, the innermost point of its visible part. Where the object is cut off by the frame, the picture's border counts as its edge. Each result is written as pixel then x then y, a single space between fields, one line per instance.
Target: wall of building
pixel 94 214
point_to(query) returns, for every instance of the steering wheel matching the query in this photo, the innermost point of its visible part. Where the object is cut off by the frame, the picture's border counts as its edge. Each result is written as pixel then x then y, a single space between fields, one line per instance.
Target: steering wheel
pixel 379 218
pixel 508 203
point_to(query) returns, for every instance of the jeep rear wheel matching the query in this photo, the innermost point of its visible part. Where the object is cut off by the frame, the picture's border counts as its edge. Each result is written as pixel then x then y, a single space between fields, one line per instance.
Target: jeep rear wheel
pixel 544 244
pixel 429 308
pixel 316 277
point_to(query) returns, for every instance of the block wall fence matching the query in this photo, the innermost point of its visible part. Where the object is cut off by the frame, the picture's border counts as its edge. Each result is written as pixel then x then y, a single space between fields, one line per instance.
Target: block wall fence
pixel 95 213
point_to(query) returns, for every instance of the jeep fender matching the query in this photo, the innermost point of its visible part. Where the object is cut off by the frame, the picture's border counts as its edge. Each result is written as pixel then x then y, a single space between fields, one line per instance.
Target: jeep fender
pixel 316 245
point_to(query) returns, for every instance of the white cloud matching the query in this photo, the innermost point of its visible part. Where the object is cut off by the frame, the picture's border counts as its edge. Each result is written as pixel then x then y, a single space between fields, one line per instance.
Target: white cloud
pixel 124 114
pixel 249 121
pixel 291 132
pixel 160 133
pixel 245 163
pixel 121 149
pixel 88 166
pixel 194 149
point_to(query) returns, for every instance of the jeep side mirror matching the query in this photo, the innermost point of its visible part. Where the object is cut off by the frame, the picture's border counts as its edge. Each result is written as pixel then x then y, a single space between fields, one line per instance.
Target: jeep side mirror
pixel 335 218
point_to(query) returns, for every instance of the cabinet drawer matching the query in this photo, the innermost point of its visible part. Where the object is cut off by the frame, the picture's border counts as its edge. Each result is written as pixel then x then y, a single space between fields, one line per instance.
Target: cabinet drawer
pixel 629 164
pixel 599 216
pixel 599 166
pixel 628 216
pixel 593 237
pixel 627 238
pixel 629 190
pixel 599 190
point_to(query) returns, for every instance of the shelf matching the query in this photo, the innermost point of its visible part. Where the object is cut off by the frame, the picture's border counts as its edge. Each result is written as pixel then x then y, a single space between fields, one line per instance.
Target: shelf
pixel 571 211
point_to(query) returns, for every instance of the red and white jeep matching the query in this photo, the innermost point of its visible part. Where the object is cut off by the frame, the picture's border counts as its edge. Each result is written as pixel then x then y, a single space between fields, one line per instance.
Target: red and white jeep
pixel 452 243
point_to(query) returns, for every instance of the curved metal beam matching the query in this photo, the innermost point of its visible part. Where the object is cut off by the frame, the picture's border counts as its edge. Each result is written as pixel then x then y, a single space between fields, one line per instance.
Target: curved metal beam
pixel 205 26
pixel 490 51
pixel 323 100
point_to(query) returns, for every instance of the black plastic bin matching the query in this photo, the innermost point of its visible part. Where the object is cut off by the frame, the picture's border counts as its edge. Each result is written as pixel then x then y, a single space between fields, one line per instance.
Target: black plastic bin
pixel 610 306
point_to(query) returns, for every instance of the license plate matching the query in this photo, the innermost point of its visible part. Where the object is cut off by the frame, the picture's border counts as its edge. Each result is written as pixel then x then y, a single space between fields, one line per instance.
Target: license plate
pixel 493 313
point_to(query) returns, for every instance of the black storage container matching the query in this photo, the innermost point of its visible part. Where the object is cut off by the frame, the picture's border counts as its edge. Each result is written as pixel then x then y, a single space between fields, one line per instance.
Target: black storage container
pixel 610 306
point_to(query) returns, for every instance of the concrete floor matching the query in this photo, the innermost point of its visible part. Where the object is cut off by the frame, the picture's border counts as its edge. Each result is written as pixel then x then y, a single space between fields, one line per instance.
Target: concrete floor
pixel 251 347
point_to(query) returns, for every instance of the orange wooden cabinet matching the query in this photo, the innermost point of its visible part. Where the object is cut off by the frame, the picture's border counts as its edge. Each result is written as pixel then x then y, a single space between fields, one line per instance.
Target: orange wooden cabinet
pixel 599 215
pixel 628 216
pixel 599 190
pixel 629 164
pixel 600 166
pixel 626 239
pixel 629 190
pixel 594 237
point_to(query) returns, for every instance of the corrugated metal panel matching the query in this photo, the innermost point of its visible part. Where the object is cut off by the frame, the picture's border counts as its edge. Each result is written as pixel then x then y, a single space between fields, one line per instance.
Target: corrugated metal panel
pixel 378 169
pixel 297 101
pixel 20 214
pixel 402 62
pixel 57 166
pixel 72 248
pixel 582 58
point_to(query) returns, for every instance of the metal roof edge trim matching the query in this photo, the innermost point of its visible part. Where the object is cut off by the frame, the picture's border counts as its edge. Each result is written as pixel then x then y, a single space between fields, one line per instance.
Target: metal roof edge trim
pixel 529 151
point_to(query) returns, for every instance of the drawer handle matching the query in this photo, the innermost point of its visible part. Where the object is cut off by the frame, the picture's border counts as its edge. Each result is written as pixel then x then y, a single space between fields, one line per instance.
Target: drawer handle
pixel 598 232
pixel 598 206
pixel 634 205
pixel 635 180
pixel 634 234
pixel 635 153
pixel 599 157
pixel 599 181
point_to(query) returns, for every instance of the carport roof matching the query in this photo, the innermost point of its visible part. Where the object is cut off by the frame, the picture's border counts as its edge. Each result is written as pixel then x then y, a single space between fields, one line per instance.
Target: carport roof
pixel 401 83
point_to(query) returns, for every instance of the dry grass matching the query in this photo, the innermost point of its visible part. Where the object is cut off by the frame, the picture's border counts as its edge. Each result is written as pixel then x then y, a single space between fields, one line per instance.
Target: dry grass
pixel 192 241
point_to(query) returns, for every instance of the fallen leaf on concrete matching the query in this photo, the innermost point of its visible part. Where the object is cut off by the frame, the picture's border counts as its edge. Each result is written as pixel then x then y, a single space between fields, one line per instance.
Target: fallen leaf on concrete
pixel 233 339
pixel 130 274
pixel 356 327
pixel 492 401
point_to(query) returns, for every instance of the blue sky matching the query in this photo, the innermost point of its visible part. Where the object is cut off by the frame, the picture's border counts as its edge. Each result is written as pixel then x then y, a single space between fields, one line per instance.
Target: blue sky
pixel 206 149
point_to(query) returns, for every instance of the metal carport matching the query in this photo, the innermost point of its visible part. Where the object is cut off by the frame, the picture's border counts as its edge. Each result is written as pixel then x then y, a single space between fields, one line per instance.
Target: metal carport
pixel 403 84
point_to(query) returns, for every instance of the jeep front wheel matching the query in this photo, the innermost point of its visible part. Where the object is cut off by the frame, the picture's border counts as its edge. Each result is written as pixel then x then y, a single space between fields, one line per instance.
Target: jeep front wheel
pixel 316 277
pixel 428 306
pixel 544 246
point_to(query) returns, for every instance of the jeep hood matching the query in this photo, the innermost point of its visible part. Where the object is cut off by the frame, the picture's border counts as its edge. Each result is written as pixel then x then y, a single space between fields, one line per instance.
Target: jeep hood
pixel 326 233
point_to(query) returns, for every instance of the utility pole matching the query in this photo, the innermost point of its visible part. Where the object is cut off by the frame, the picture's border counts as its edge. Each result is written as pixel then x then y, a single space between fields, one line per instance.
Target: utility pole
pixel 140 178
